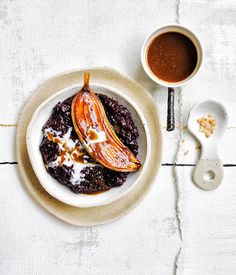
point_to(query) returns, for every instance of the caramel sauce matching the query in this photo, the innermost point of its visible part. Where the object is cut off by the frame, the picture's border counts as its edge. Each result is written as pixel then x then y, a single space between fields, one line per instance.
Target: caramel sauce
pixel 172 56
pixel 57 140
pixel 76 154
pixel 63 157
pixel 78 158
pixel 92 134
pixel 50 136
pixel 97 192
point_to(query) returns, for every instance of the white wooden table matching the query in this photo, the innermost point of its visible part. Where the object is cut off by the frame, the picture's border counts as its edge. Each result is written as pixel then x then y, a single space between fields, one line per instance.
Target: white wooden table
pixel 39 39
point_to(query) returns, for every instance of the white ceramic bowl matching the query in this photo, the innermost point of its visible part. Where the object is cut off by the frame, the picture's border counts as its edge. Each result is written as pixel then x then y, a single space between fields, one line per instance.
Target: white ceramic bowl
pixel 171 28
pixel 63 193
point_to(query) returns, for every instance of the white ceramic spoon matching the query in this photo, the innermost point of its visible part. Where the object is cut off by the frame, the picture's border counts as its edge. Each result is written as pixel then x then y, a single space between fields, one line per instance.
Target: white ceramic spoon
pixel 208 173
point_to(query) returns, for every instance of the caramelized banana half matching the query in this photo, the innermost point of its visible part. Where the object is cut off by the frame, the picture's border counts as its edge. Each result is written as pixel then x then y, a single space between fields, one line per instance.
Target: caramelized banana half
pixel 96 133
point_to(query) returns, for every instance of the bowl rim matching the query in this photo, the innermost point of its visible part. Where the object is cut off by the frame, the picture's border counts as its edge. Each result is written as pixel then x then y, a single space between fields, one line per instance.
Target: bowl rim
pixel 34 164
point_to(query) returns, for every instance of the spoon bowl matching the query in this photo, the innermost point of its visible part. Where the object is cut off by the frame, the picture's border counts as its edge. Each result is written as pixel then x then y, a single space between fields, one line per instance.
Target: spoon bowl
pixel 217 111
pixel 208 173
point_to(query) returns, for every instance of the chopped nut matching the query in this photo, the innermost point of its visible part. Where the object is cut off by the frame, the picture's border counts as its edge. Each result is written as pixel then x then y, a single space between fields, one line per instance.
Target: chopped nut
pixel 207 125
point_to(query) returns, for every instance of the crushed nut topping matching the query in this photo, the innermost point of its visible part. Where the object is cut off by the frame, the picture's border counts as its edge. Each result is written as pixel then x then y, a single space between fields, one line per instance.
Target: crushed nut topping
pixel 207 125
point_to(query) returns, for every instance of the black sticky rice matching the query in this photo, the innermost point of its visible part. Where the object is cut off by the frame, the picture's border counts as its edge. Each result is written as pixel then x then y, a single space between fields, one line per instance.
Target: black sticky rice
pixel 94 178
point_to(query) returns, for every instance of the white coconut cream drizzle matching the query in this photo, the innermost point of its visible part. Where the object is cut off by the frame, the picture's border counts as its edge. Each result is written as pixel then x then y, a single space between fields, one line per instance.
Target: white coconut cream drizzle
pixel 72 153
pixel 94 137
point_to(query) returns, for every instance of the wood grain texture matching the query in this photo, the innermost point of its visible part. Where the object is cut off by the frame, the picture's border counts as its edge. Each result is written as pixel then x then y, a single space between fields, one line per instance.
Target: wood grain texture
pixel 33 242
pixel 42 38
pixel 207 218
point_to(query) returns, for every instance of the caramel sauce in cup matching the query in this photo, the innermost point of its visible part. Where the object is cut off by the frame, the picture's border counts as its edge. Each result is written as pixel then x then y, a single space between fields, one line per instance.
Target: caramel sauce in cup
pixel 171 56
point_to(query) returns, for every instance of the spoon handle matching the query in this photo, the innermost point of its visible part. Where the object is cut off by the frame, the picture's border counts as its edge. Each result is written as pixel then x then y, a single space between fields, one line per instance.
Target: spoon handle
pixel 170 110
pixel 208 173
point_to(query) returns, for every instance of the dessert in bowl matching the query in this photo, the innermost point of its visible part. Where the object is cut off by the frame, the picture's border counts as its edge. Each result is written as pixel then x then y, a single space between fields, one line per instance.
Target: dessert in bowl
pixel 68 163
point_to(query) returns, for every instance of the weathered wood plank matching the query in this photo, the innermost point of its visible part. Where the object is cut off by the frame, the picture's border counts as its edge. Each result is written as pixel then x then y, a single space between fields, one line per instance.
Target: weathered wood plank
pixel 144 242
pixel 208 218
pixel 208 225
pixel 42 38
